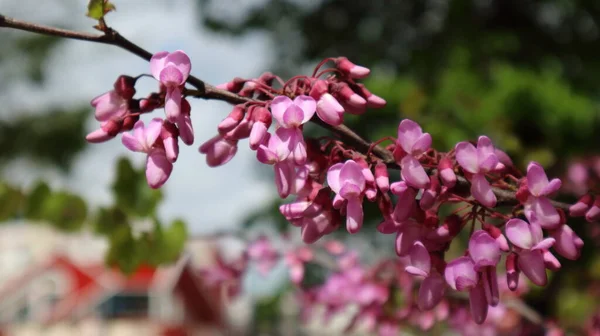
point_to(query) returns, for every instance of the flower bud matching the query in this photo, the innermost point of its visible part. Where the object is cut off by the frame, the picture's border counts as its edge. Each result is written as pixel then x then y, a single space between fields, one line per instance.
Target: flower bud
pixel 581 206
pixel 234 86
pixel 512 271
pixel 347 96
pixel 184 123
pixel 170 138
pixel 218 150
pixel 129 122
pixel 150 103
pixel 125 86
pixel 593 214
pixel 108 130
pixel 319 88
pixel 447 172
pixel 381 177
pixel 373 101
pixel 430 194
pixel 496 233
pixel 351 69
pixel 232 120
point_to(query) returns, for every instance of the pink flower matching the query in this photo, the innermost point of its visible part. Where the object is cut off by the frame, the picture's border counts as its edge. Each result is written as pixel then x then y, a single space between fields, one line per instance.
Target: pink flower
pixel 328 108
pixel 567 244
pixel 485 253
pixel 172 70
pixel 275 150
pixel 460 274
pixel 479 161
pixel 414 142
pixel 539 188
pixel 348 182
pixel 353 70
pixel 218 150
pixel 144 140
pixel 265 255
pixel 291 115
pixel 295 260
pixel 432 288
pixel 529 240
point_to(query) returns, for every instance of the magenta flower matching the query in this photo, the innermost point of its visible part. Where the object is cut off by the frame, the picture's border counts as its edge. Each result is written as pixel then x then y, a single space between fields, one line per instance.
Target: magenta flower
pixel 433 287
pixel 348 182
pixel 144 140
pixel 275 150
pixel 539 187
pixel 460 274
pixel 414 142
pixel 295 260
pixel 291 115
pixel 485 253
pixel 567 244
pixel 529 240
pixel 172 70
pixel 218 150
pixel 479 161
pixel 328 108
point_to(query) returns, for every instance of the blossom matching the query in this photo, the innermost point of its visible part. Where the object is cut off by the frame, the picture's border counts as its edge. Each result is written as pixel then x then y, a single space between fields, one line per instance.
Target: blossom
pixel 414 143
pixel 479 161
pixel 275 150
pixel 171 70
pixel 110 105
pixel 485 253
pixel 291 115
pixel 433 287
pixel 218 150
pixel 144 140
pixel 263 252
pixel 539 188
pixel 348 182
pixel 460 274
pixel 567 244
pixel 528 238
pixel 328 108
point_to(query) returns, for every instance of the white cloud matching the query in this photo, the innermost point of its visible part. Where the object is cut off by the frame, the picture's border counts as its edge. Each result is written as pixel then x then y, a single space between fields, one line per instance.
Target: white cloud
pixel 207 198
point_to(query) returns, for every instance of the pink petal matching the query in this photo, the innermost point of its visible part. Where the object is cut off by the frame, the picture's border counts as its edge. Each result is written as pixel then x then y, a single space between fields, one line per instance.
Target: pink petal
pixel 182 62
pixel 308 106
pixel 544 244
pixel 431 292
pixel 408 234
pixel 566 242
pixel 171 76
pixel 546 214
pixel 552 187
pixel 550 261
pixel 152 131
pixel 518 232
pixel 351 172
pixel 140 134
pixel 297 273
pixel 284 175
pixel 171 148
pixel 483 250
pixel 422 144
pixel 536 179
pixel 109 106
pixel 333 177
pixel 488 162
pixel 404 205
pixel 354 215
pixel 482 191
pixel 531 263
pixel 490 285
pixel 278 107
pixel 259 130
pixel 299 152
pixel 478 304
pixel 466 156
pixel 408 134
pixel 461 267
pixel 158 168
pixel 419 257
pixel 186 130
pixel 292 117
pixel 413 173
pixel 173 104
pixel 314 228
pixel 157 63
pixel 485 146
pixel 330 110
pixel 131 143
pixel 283 142
pixel 349 191
pixel 265 155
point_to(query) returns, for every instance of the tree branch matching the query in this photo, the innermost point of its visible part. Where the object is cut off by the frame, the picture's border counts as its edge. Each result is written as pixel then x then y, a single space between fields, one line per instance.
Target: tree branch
pixel 207 91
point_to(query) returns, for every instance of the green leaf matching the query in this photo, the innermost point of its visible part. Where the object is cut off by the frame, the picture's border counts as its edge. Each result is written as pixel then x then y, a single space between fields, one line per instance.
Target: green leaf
pixel 34 205
pixel 109 220
pixel 97 9
pixel 123 252
pixel 132 192
pixel 11 201
pixel 174 239
pixel 66 211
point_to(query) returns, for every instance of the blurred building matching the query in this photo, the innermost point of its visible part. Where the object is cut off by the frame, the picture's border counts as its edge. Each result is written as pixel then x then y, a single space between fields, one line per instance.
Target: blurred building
pixel 52 283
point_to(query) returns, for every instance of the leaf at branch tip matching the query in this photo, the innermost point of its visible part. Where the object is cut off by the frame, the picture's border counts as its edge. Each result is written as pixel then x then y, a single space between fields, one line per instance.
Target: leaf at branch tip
pixel 97 9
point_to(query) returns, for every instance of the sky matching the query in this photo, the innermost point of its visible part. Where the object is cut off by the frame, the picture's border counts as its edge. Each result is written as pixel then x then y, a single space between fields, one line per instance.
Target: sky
pixel 209 199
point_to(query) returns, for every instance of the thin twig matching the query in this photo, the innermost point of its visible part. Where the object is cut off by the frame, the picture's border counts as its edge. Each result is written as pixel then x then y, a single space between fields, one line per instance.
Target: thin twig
pixel 207 91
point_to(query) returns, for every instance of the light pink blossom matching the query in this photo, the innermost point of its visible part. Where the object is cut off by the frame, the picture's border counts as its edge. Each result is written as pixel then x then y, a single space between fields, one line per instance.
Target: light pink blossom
pixel 538 203
pixel 479 161
pixel 291 115
pixel 348 182
pixel 172 70
pixel 414 143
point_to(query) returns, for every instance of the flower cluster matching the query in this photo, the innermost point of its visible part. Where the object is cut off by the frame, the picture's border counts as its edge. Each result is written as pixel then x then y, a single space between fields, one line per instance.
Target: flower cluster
pixel 438 197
